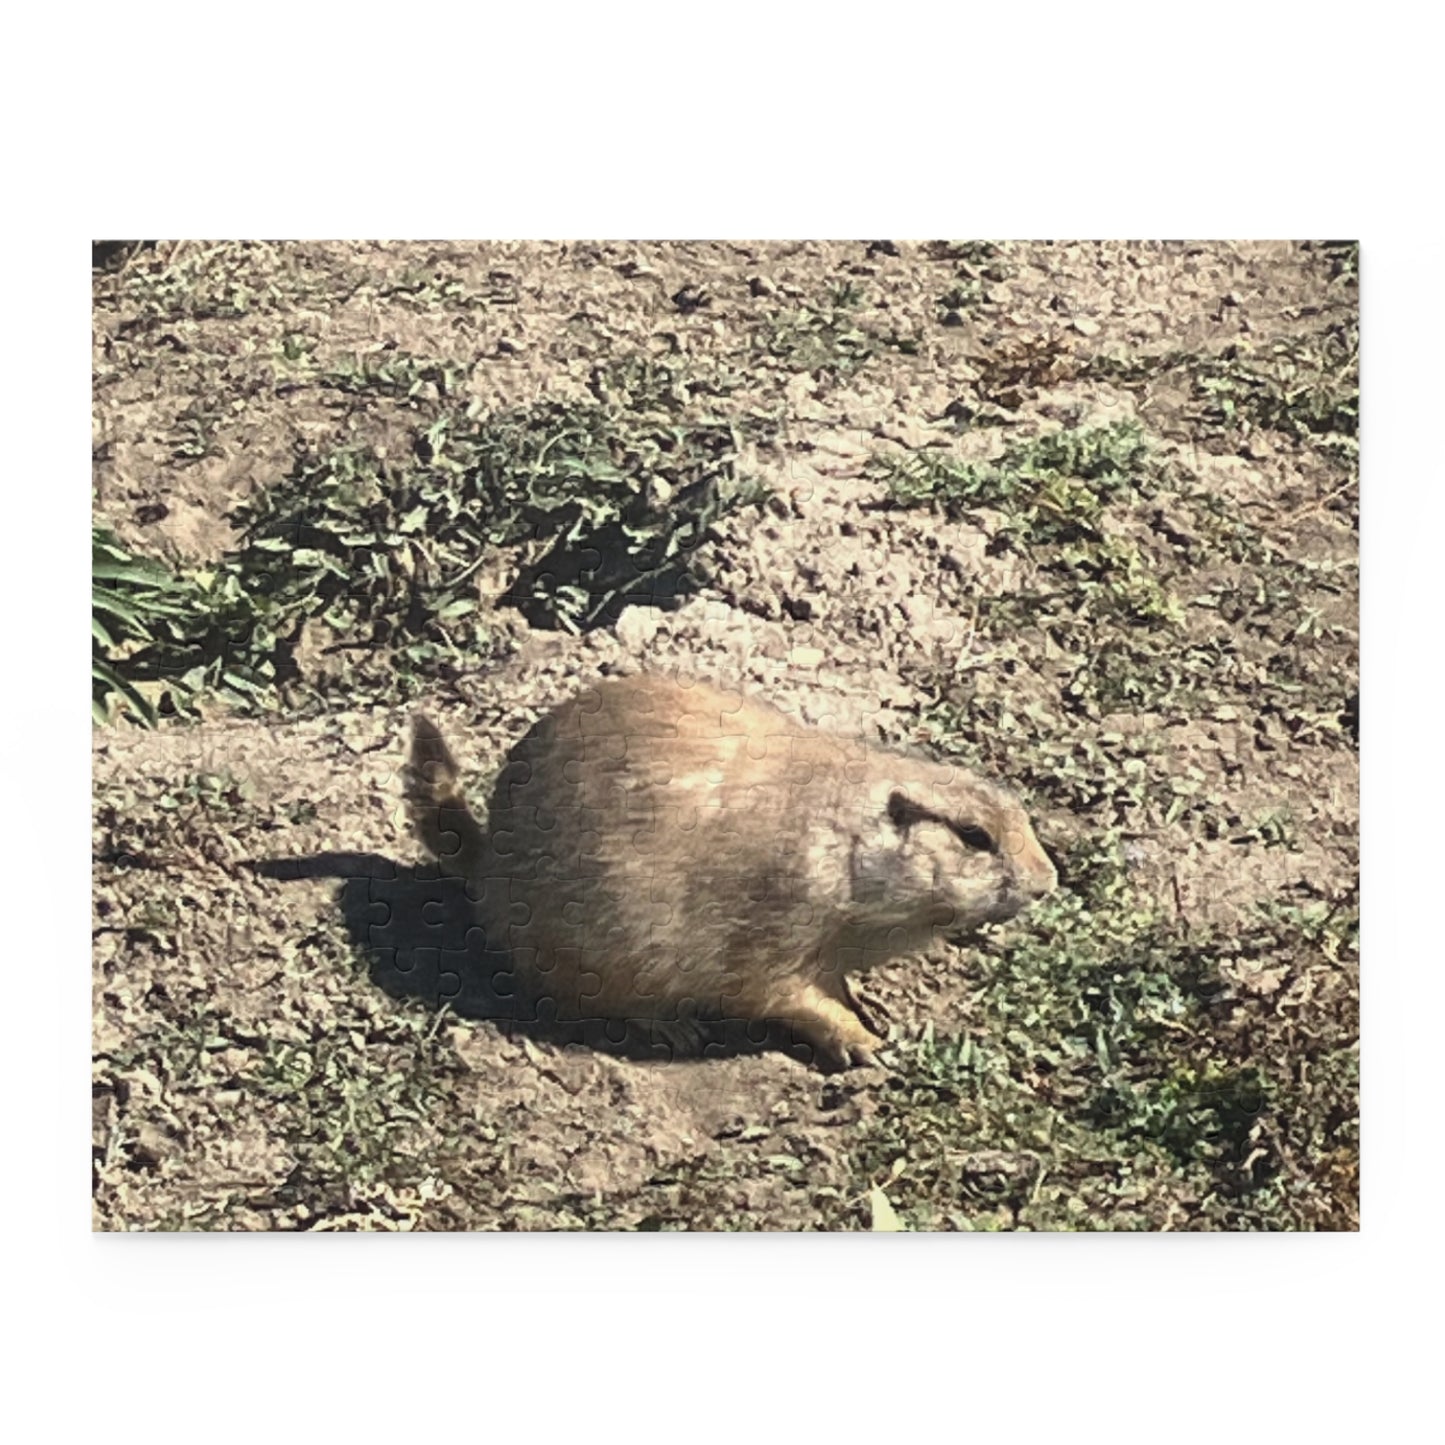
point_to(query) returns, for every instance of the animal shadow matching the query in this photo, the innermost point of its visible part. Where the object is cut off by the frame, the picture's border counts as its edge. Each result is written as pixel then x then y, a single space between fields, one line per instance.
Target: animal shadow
pixel 418 932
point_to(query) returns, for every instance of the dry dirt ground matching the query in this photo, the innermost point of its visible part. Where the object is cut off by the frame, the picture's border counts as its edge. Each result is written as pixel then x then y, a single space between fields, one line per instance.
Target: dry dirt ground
pixel 1083 515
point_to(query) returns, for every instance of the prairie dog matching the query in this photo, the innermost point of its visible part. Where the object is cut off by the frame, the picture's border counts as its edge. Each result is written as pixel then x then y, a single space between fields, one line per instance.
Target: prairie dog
pixel 665 851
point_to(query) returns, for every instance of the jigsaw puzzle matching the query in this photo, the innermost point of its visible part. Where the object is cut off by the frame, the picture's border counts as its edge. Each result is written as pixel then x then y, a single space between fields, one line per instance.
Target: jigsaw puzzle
pixel 716 736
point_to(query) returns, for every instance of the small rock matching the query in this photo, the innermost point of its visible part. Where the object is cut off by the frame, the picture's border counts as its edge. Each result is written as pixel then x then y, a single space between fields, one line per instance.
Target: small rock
pixel 918 610
pixel 636 627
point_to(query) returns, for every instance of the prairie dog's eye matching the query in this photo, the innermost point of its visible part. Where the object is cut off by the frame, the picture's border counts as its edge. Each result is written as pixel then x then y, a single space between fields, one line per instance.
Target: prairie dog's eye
pixel 972 836
pixel 903 812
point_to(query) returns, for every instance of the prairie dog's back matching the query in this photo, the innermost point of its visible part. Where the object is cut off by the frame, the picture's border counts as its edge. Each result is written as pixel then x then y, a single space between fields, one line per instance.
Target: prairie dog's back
pixel 647 740
pixel 644 775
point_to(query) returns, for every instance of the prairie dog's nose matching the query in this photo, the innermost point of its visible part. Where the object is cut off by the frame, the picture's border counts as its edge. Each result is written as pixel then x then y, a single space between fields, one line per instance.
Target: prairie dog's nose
pixel 1033 871
pixel 1049 880
pixel 1036 874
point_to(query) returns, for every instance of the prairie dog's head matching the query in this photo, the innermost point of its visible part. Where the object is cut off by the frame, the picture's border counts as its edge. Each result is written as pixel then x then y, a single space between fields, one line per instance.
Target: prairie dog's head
pixel 946 851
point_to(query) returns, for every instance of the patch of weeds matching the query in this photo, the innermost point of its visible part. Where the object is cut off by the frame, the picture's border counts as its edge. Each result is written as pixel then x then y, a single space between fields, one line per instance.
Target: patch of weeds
pixel 199 282
pixel 215 793
pixel 354 1111
pixel 1224 534
pixel 1112 1076
pixel 828 336
pixel 1116 781
pixel 1306 388
pixel 359 546
pixel 1115 581
pixel 1207 1111
pixel 396 374
pixel 1052 488
pixel 424 289
pixel 613 497
pixel 1104 599
pixel 1291 677
pixel 130 597
pixel 1053 492
pixel 185 1039
pixel 1116 667
pixel 1309 390
pixel 161 640
pixel 178 826
pixel 1118 673
pixel 1273 602
pixel 377 556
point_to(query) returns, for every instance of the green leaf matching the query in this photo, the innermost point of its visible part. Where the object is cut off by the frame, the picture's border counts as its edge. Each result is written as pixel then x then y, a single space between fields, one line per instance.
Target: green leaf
pixel 132 570
pixel 105 674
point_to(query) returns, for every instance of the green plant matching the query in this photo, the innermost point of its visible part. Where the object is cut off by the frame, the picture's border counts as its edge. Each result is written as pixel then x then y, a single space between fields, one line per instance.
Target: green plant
pixel 1050 488
pixel 1054 493
pixel 1112 1073
pixel 199 281
pixel 130 599
pixel 395 373
pixel 1307 390
pixel 827 336
pixel 606 500
pixel 162 640
pixel 612 496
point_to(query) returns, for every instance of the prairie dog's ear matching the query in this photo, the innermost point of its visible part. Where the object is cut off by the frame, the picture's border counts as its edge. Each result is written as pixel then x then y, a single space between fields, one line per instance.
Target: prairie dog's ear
pixel 432 774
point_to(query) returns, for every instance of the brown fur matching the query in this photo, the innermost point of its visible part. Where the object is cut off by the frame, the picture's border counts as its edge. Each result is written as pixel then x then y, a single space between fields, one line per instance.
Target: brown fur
pixel 664 850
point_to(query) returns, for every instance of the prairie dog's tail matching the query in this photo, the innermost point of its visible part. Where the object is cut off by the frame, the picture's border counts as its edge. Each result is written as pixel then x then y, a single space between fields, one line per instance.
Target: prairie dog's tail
pixel 438 808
